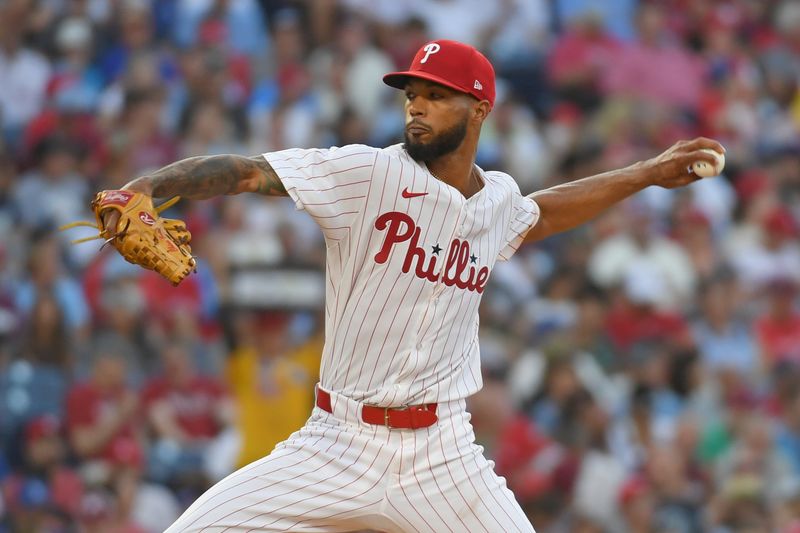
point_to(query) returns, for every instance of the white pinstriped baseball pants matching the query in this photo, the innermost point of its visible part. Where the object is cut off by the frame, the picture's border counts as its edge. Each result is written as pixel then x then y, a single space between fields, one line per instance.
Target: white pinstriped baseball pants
pixel 338 473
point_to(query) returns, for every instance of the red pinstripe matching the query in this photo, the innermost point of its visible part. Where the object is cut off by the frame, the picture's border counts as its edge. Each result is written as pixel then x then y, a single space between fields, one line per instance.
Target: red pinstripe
pixel 433 296
pixel 372 269
pixel 421 287
pixel 469 478
pixel 453 480
pixel 328 517
pixel 303 474
pixel 332 202
pixel 402 515
pixel 452 236
pixel 461 303
pixel 439 487
pixel 494 479
pixel 328 362
pixel 424 493
pixel 463 297
pixel 338 215
pixel 361 182
pixel 405 495
pixel 354 496
pixel 295 502
pixel 251 479
pixel 386 301
pixel 322 162
pixel 342 171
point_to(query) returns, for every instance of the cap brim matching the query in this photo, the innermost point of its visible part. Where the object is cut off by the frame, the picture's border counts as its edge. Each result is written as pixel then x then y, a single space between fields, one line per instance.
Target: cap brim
pixel 398 80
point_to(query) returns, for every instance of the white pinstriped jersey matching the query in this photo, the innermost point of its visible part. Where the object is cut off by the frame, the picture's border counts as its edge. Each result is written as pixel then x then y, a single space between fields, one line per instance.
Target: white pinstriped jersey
pixel 408 258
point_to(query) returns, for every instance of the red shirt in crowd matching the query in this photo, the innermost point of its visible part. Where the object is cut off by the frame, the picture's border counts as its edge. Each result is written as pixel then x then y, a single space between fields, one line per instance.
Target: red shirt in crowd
pixel 64 485
pixel 779 339
pixel 193 404
pixel 87 405
pixel 532 463
pixel 627 326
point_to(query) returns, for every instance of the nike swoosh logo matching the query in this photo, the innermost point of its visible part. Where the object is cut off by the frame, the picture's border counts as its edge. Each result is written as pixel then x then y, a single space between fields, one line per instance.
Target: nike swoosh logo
pixel 407 194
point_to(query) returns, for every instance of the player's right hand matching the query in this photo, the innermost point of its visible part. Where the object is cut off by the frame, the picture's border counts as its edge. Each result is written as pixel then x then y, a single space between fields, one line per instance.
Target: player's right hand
pixel 672 168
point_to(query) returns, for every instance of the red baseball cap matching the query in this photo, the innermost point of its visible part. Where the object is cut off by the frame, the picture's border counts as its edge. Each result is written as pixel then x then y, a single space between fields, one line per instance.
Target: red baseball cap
pixel 452 64
pixel 42 426
pixel 632 488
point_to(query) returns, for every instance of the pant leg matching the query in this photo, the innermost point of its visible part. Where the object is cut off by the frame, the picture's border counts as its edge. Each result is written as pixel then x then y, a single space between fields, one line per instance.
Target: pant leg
pixel 326 477
pixel 447 485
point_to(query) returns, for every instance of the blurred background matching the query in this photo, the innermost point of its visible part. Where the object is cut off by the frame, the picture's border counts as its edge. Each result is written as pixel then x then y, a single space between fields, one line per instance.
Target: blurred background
pixel 642 373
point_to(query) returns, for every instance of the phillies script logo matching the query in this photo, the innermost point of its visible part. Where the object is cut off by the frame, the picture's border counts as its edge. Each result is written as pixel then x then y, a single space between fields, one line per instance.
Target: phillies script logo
pixel 147 218
pixel 401 228
pixel 117 198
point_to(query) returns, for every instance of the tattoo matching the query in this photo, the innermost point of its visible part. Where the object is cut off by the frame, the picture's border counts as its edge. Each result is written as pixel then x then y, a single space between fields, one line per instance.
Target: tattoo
pixel 208 176
pixel 268 181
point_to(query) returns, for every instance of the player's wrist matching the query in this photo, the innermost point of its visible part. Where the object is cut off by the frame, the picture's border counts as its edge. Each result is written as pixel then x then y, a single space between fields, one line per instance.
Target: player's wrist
pixel 642 174
pixel 141 185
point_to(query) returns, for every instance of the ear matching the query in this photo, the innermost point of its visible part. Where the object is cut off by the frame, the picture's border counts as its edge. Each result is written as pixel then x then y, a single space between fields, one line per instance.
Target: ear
pixel 481 110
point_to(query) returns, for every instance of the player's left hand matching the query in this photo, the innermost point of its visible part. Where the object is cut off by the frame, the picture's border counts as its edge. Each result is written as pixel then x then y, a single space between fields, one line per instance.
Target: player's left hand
pixel 673 168
pixel 140 234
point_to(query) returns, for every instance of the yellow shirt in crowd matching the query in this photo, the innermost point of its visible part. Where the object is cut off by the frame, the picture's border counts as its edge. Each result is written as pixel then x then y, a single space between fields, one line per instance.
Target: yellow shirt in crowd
pixel 274 395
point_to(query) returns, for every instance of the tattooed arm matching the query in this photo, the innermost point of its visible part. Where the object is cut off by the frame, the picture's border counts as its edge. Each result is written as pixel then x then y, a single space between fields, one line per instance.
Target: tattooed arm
pixel 207 176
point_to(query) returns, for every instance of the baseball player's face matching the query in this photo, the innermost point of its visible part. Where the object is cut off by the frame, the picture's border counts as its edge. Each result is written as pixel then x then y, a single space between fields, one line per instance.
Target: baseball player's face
pixel 436 119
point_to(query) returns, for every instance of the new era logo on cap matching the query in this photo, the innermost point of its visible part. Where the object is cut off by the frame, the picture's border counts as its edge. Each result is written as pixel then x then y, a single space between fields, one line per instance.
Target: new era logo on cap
pixel 457 65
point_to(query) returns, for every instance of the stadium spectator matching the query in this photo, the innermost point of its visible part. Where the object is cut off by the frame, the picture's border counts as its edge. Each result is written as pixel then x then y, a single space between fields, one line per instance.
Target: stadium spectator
pixel 186 413
pixel 237 26
pixel 651 267
pixel 578 59
pixel 25 72
pixel 774 253
pixel 655 68
pixel 722 333
pixel 636 501
pixel 46 273
pixel 55 183
pixel 270 386
pixel 45 454
pixel 46 341
pixel 102 417
pixel 778 329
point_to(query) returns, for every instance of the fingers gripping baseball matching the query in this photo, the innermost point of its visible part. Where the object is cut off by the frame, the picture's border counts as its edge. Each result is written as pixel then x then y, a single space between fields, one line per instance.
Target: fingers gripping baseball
pixel 687 161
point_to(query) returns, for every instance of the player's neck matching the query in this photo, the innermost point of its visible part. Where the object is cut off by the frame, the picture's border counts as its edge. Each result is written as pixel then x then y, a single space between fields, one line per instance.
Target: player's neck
pixel 457 169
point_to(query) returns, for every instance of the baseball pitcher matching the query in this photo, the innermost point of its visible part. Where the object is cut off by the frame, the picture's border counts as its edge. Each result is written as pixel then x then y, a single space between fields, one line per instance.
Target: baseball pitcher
pixel 412 232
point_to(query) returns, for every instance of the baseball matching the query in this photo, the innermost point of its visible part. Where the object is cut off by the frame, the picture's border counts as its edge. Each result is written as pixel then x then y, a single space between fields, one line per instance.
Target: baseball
pixel 706 170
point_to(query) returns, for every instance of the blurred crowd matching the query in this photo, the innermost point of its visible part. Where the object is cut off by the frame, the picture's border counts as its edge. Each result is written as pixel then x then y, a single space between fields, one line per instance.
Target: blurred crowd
pixel 642 373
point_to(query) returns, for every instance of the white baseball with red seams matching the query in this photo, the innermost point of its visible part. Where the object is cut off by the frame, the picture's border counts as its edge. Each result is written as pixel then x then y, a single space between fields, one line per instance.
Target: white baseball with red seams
pixel 408 258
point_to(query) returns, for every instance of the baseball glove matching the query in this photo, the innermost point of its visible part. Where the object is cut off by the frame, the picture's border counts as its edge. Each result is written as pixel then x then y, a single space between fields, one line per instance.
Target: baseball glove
pixel 141 236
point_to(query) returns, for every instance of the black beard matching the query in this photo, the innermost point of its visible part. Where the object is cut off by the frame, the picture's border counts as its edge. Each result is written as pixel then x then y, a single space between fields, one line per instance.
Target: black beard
pixel 440 145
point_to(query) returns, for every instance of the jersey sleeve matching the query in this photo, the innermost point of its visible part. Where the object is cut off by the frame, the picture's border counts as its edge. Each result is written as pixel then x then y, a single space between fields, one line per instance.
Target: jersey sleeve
pixel 524 214
pixel 330 184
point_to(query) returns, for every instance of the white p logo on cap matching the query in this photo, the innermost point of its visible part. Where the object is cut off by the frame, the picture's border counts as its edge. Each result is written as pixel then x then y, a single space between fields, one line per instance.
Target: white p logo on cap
pixel 430 48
